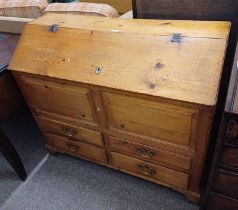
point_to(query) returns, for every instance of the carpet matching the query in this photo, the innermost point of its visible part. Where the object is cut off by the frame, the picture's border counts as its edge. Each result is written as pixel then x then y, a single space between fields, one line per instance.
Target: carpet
pixel 24 134
pixel 64 182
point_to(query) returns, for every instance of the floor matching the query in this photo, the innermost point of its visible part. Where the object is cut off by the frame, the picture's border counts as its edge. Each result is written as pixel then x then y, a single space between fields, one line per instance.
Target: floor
pixel 62 182
pixel 22 130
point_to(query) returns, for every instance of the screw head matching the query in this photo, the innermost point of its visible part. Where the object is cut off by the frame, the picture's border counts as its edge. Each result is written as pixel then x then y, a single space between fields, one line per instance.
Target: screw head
pixel 98 70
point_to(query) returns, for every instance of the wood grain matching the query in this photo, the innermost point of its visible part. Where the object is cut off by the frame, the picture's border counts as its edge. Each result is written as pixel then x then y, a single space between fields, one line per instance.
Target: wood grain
pixel 77 148
pixel 70 131
pixel 56 94
pixel 170 72
pixel 151 154
pixel 198 131
pixel 229 156
pixel 151 118
pixel 150 92
pixel 186 9
pixel 221 202
pixel 160 173
pixel 209 29
pixel 226 183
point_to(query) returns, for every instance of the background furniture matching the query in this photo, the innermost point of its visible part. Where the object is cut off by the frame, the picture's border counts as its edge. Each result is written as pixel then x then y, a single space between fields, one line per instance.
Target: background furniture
pixel 10 99
pixel 222 188
pixel 83 8
pixel 13 24
pixel 64 1
pixel 23 8
pixel 122 6
pixel 85 110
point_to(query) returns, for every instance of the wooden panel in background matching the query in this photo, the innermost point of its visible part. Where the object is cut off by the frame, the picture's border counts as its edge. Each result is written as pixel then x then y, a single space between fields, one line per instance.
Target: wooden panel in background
pixel 186 9
pixel 226 182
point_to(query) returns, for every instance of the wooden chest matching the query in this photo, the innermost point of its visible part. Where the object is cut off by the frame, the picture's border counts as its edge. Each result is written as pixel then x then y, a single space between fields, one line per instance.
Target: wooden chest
pixel 222 188
pixel 134 95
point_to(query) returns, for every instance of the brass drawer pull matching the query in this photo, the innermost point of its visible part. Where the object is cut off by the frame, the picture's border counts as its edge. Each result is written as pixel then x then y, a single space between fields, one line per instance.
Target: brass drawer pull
pixel 69 131
pixel 145 152
pixel 72 148
pixel 146 170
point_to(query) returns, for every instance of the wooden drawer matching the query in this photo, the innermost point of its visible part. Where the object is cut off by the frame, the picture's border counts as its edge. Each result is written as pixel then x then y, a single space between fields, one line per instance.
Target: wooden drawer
pixel 218 202
pixel 151 154
pixel 231 136
pixel 77 148
pixel 160 120
pixel 63 99
pixel 151 171
pixel 226 183
pixel 70 131
pixel 229 156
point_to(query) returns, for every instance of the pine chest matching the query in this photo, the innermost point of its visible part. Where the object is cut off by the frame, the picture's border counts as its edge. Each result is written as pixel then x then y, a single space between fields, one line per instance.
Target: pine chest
pixel 133 95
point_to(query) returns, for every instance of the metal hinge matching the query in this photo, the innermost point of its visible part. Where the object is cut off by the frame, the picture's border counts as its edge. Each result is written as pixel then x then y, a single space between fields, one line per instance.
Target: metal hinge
pixel 53 28
pixel 176 37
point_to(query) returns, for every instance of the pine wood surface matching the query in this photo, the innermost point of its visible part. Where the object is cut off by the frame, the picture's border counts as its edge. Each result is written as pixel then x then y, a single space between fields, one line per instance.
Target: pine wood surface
pixel 156 95
pixel 154 171
pixel 187 159
pixel 154 155
pixel 74 132
pixel 78 148
pixel 187 71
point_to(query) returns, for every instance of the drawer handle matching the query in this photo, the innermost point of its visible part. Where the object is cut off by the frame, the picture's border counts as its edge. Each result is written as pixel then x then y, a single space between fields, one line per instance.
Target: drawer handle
pixel 72 148
pixel 69 131
pixel 146 170
pixel 145 152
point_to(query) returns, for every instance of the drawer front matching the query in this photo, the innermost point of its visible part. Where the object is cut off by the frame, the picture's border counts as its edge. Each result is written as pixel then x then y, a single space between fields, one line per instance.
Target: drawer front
pixel 63 99
pixel 231 136
pixel 151 154
pixel 226 183
pixel 156 119
pixel 229 156
pixel 77 148
pixel 151 171
pixel 216 202
pixel 70 131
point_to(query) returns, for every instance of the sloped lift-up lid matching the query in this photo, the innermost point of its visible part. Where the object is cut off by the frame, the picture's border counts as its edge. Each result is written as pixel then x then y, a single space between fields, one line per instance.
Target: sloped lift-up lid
pixel 179 60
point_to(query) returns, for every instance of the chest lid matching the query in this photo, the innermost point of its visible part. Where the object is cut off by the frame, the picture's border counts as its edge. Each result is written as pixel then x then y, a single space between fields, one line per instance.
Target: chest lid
pixel 174 59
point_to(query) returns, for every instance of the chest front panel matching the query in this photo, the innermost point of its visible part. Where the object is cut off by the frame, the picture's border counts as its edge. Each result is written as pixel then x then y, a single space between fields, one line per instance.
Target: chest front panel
pixel 168 122
pixel 161 134
pixel 67 100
